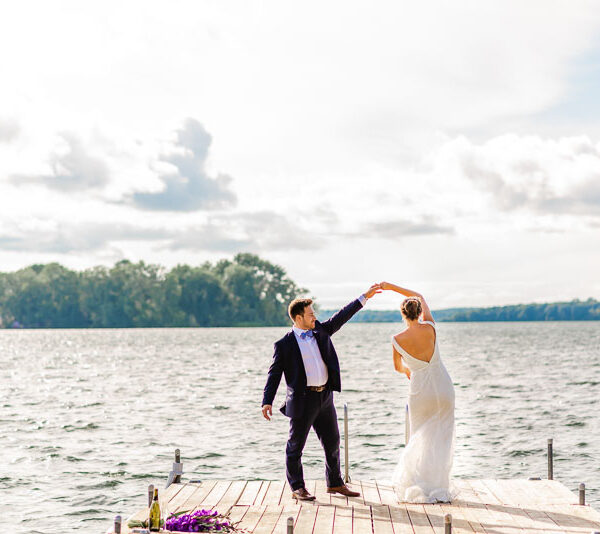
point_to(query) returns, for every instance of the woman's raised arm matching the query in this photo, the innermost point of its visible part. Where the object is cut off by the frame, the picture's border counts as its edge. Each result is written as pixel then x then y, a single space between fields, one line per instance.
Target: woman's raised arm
pixel 387 286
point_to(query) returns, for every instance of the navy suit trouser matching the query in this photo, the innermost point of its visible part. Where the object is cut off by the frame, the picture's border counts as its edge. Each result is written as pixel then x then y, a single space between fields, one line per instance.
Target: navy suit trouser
pixel 319 413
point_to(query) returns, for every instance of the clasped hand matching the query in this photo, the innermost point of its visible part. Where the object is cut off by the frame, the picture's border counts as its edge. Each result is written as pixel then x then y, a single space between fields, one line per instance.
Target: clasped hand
pixel 373 290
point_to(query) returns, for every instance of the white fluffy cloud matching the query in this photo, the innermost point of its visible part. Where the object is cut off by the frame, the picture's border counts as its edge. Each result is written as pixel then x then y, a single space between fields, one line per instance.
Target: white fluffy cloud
pixel 187 186
pixel 72 168
pixel 551 177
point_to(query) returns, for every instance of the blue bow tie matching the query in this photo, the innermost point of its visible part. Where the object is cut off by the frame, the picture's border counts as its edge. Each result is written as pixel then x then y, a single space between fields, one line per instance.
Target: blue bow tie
pixel 306 334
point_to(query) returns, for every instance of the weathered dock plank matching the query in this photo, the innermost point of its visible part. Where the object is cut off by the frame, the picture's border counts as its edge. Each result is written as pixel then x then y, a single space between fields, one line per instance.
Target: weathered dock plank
pixel 289 510
pixel 232 496
pixel 262 492
pixel 252 517
pixel 460 524
pixel 370 493
pixel 178 502
pixel 237 513
pixel 250 492
pixel 361 518
pixel 269 519
pixel 212 499
pixel 490 506
pixel 306 518
pixel 324 520
pixel 589 514
pixel 382 521
pixel 274 493
pixel 386 493
pixel 321 492
pixel 483 492
pixel 419 519
pixel 342 521
pixel 401 520
pixel 469 515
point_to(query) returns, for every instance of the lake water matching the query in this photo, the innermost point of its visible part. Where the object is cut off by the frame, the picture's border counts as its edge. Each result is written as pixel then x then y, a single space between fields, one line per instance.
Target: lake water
pixel 89 418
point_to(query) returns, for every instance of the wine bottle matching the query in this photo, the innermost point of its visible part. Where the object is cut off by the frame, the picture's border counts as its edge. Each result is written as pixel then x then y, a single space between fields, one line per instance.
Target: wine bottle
pixel 154 515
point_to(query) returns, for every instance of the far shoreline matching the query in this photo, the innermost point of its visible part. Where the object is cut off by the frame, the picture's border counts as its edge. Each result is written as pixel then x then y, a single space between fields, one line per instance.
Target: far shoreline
pixel 572 311
pixel 241 327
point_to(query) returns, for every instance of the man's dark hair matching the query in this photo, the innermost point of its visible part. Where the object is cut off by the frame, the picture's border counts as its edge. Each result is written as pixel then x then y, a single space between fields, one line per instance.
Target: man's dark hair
pixel 297 307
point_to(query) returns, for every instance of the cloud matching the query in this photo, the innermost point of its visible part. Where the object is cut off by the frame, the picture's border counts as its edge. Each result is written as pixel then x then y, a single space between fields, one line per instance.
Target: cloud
pixel 66 238
pixel 73 170
pixel 261 231
pixel 583 199
pixel 532 174
pixel 505 196
pixel 190 187
pixel 396 229
pixel 253 232
pixel 9 130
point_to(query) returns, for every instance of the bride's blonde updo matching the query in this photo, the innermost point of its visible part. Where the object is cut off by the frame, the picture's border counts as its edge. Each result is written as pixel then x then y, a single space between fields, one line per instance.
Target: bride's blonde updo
pixel 411 308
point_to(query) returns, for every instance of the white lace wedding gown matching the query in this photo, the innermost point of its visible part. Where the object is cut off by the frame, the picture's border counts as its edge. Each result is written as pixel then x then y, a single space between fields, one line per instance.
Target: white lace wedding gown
pixel 423 472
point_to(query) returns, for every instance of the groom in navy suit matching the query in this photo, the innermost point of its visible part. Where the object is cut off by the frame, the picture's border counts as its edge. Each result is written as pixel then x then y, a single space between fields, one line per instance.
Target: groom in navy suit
pixel 307 359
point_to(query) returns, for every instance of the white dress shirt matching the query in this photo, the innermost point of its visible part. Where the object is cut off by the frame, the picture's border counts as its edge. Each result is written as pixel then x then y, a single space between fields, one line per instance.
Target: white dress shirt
pixel 316 370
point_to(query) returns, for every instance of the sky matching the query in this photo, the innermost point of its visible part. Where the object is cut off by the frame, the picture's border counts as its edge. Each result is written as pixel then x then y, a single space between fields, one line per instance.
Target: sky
pixel 449 147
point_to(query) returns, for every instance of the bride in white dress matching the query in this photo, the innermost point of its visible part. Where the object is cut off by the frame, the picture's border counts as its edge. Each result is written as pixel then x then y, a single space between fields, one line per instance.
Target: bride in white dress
pixel 423 472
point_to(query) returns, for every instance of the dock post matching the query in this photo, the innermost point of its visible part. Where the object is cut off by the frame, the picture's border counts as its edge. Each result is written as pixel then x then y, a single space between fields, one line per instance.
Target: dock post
pixel 150 494
pixel 177 478
pixel 447 524
pixel 582 494
pixel 550 460
pixel 290 525
pixel 117 529
pixel 346 466
pixel 177 471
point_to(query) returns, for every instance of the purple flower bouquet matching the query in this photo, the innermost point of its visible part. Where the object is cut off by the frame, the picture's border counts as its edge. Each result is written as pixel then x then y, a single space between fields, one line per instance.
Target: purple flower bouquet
pixel 199 521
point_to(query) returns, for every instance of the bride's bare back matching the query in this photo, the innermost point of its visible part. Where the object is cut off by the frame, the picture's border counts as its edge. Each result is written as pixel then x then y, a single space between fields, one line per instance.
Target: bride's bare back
pixel 418 340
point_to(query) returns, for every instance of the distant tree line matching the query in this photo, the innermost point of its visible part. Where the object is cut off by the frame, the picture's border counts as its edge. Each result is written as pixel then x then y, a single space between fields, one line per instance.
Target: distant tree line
pixel 574 310
pixel 247 291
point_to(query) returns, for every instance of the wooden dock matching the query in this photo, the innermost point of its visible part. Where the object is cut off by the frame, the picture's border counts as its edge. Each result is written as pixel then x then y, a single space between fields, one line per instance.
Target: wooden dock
pixel 486 506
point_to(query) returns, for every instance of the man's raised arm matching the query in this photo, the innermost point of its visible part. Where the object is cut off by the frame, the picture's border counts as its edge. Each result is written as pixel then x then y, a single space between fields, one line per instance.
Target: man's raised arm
pixel 338 319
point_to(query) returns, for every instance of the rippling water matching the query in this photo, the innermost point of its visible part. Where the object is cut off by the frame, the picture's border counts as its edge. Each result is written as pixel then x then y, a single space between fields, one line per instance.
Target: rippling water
pixel 89 418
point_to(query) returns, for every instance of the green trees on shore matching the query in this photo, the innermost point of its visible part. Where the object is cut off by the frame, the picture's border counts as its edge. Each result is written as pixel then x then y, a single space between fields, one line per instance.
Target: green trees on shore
pixel 245 291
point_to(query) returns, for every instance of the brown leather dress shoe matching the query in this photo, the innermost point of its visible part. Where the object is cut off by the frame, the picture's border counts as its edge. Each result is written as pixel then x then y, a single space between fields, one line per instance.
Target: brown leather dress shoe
pixel 302 495
pixel 343 490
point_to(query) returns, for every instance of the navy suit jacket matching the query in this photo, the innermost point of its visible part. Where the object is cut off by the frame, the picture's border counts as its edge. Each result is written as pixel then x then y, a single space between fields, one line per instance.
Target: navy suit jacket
pixel 287 360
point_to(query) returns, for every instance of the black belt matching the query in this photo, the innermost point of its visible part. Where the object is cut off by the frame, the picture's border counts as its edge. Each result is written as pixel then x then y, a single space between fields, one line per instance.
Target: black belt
pixel 318 389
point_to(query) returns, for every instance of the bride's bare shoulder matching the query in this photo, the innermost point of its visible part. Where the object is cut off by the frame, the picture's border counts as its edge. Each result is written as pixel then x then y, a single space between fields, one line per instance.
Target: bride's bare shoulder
pixel 400 335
